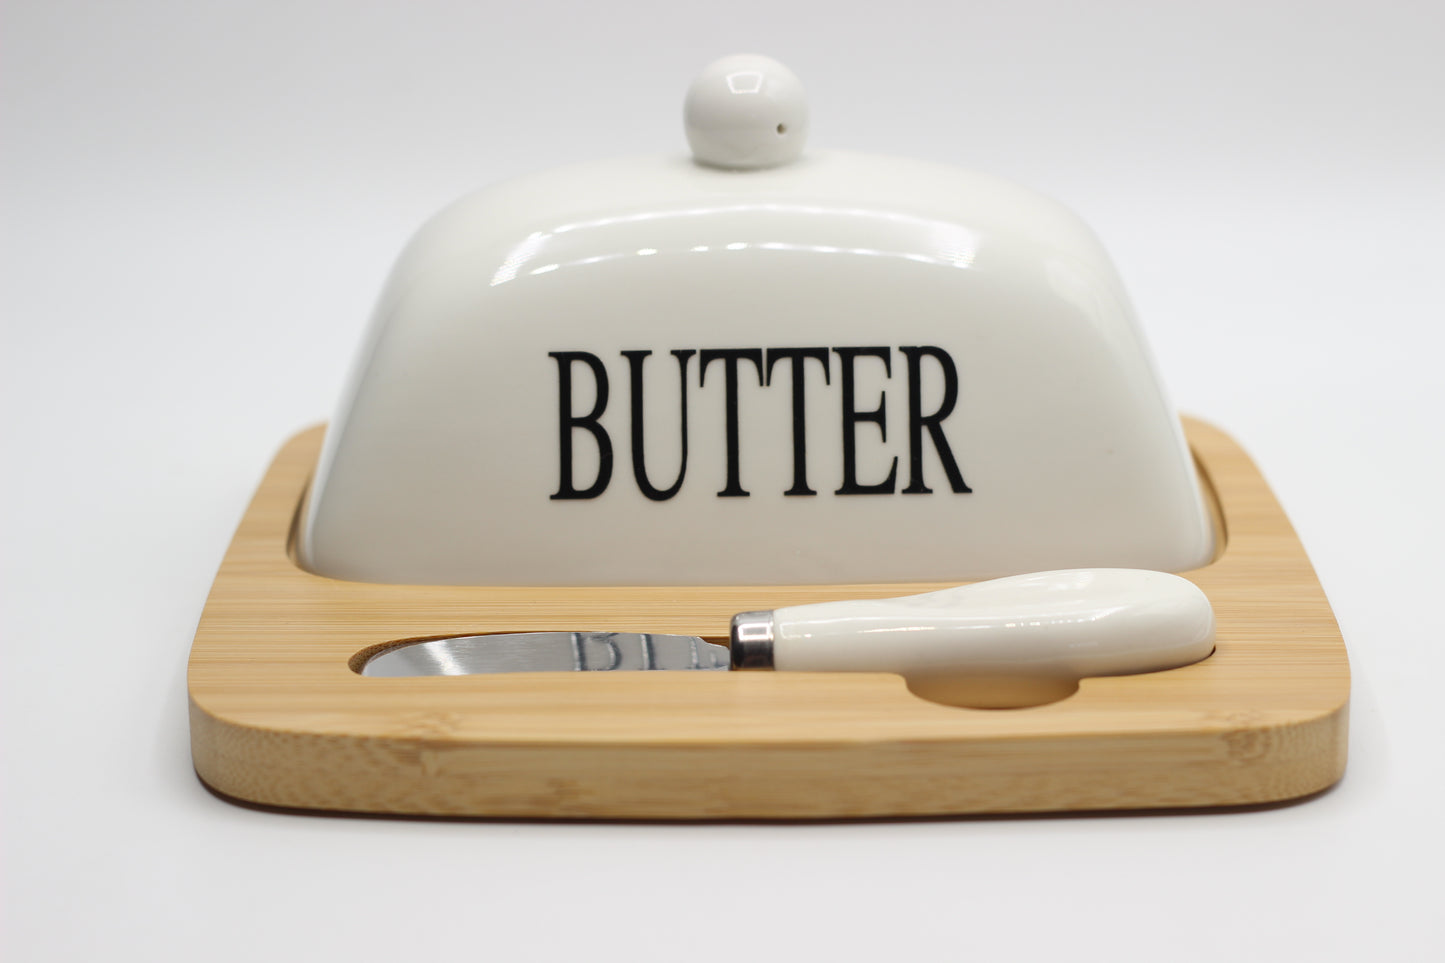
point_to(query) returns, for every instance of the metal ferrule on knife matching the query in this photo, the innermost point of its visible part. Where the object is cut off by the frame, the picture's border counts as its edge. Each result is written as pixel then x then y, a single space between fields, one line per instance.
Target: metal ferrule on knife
pixel 751 640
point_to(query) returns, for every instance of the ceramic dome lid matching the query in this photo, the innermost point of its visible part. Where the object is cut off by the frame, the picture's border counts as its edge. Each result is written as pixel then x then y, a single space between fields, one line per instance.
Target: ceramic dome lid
pixel 754 365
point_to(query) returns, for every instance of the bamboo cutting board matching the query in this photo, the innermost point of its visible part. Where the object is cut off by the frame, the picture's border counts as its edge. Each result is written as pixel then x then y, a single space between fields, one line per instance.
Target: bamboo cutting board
pixel 279 716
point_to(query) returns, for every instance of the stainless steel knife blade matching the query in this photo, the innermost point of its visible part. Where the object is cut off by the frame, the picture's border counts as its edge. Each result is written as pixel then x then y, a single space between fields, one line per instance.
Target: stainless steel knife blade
pixel 548 652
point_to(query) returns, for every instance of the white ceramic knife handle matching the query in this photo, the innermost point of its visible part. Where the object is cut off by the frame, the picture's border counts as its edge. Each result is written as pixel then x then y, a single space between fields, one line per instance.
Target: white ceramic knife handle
pixel 1010 641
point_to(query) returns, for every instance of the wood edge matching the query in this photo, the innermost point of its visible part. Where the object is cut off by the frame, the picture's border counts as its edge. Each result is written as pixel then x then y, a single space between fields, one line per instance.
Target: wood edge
pixel 1299 759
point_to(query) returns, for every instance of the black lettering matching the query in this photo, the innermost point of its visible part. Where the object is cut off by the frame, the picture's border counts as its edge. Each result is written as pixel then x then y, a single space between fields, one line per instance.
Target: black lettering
pixel 851 417
pixel 798 356
pixel 639 462
pixel 730 358
pixel 568 422
pixel 917 421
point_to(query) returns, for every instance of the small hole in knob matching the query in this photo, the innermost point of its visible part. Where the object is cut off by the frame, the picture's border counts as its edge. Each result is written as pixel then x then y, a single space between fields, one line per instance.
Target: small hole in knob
pixel 782 128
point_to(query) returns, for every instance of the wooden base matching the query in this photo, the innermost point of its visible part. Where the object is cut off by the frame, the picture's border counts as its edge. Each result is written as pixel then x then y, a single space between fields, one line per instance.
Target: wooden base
pixel 279 717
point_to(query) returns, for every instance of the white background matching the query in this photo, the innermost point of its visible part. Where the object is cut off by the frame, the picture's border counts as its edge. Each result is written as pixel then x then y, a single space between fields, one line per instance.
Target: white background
pixel 200 202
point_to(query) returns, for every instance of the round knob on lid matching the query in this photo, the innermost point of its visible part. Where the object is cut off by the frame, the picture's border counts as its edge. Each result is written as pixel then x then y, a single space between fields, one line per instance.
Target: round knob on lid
pixel 746 112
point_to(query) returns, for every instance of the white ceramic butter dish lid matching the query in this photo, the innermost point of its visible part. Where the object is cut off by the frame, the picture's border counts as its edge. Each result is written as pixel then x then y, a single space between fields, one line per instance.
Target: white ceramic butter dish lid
pixel 759 364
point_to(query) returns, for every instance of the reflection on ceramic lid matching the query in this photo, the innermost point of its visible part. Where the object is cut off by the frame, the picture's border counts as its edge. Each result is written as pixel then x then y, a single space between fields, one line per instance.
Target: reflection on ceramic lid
pixel 951 244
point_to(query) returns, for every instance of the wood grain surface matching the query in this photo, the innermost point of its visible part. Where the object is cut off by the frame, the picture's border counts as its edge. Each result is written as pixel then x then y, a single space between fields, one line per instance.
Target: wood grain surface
pixel 279 717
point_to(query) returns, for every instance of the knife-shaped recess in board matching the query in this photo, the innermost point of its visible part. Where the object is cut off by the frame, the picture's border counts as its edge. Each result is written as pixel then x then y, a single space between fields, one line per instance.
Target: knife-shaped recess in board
pixel 1017 641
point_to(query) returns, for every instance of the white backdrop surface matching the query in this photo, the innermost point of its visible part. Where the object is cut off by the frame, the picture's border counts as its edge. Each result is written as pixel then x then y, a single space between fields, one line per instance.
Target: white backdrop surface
pixel 200 201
